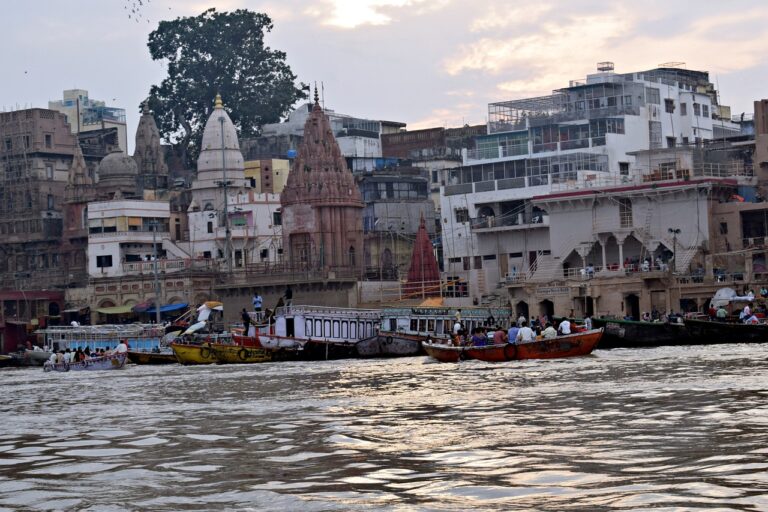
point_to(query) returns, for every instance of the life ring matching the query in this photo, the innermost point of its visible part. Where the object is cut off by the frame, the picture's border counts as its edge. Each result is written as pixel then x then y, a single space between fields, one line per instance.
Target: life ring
pixel 205 352
pixel 510 352
pixel 243 354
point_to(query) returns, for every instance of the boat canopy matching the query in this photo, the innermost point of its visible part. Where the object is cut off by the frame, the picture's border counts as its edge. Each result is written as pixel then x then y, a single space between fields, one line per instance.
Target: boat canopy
pixel 168 308
pixel 725 296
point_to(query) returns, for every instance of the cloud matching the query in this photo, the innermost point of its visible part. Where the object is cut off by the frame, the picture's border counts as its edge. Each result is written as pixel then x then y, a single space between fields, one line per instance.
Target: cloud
pixel 349 14
pixel 456 115
pixel 509 17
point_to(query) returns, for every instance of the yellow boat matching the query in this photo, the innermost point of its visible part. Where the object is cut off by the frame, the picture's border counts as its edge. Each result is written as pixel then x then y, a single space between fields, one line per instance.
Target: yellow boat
pixel 194 354
pixel 235 354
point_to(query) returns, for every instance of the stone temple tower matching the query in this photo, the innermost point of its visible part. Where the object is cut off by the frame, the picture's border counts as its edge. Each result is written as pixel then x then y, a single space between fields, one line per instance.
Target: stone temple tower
pixel 153 171
pixel 321 204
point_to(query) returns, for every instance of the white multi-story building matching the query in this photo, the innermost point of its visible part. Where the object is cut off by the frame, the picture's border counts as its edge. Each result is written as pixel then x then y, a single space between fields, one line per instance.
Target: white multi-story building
pixel 585 135
pixel 125 236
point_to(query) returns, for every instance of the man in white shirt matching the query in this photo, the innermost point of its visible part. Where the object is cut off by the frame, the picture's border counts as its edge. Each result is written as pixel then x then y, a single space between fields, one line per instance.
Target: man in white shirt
pixel 588 323
pixel 525 334
pixel 747 312
pixel 520 320
pixel 122 348
pixel 456 328
pixel 565 326
pixel 549 332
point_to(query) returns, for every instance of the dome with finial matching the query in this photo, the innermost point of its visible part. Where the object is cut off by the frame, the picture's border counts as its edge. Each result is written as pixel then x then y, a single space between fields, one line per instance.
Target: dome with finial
pixel 213 143
pixel 117 172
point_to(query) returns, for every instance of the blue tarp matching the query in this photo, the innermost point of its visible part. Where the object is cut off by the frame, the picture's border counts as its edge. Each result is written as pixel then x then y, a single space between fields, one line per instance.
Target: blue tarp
pixel 168 308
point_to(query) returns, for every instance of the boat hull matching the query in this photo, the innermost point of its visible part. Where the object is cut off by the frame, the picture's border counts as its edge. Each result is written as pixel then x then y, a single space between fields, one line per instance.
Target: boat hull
pixel 571 345
pixel 625 333
pixel 321 350
pixel 390 345
pixel 235 354
pixel 707 332
pixel 111 362
pixel 193 354
pixel 444 353
pixel 152 358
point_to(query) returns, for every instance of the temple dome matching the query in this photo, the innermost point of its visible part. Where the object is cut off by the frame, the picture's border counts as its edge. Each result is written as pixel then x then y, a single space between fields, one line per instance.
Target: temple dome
pixel 117 164
pixel 211 147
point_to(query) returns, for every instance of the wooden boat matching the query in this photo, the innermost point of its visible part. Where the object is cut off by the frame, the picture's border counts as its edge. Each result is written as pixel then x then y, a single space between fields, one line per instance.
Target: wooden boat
pixel 140 357
pixel 37 357
pixel 631 333
pixel 570 345
pixel 391 345
pixel 193 354
pixel 236 354
pixel 5 361
pixel 444 353
pixel 707 331
pixel 110 362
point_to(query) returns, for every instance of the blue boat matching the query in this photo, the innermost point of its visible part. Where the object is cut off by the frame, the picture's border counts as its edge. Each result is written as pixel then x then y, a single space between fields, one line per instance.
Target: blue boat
pixel 110 362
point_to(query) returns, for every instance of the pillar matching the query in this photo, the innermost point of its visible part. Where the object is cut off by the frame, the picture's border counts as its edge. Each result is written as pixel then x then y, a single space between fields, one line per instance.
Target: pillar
pixel 621 255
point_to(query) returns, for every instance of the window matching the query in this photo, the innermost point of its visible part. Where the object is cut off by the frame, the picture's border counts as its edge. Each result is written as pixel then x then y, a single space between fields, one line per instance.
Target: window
pixel 669 105
pixel 104 261
pixel 489 257
pixel 465 262
pixel 264 254
pixel 462 215
pixel 515 255
pixel 26 142
pixel 683 109
pixel 696 109
pixel 624 168
pixel 210 227
pixel 308 329
pixel 625 212
pixel 478 262
pixel 671 142
pixel 654 134
pixel 454 260
pixel 652 95
pixel 723 228
pixel 48 140
pixel 705 110
pixel 685 141
pixel 50 201
pixel 8 144
pixel 207 255
pixel 277 219
pixel 434 176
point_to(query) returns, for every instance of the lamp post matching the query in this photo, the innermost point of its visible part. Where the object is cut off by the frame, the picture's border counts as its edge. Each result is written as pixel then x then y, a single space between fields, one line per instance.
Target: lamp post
pixel 674 232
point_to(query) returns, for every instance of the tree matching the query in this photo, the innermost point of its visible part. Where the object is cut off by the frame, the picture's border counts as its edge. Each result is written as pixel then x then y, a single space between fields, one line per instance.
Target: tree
pixel 218 52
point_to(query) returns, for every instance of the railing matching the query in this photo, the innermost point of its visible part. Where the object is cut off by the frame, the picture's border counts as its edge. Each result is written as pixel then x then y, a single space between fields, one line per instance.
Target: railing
pixel 163 265
pixel 517 219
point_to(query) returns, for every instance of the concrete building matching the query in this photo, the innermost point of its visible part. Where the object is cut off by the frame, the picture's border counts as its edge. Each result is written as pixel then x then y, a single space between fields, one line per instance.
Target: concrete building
pixel 586 135
pixel 321 204
pixel 267 175
pixel 85 114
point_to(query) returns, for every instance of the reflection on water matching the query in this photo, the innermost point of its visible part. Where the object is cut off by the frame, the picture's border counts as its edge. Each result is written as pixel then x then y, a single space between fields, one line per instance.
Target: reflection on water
pixel 662 429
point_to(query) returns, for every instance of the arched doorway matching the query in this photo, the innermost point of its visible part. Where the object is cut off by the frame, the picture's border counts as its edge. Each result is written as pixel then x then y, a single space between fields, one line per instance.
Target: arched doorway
pixel 546 307
pixel 632 306
pixel 521 309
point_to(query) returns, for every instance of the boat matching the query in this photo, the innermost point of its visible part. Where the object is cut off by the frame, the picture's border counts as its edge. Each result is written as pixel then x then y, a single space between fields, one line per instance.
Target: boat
pixel 193 353
pixel 320 332
pixel 237 354
pixel 35 356
pixel 401 345
pixel 404 330
pixel 632 333
pixel 569 345
pixel 138 337
pixel 163 357
pixel 711 331
pixel 110 362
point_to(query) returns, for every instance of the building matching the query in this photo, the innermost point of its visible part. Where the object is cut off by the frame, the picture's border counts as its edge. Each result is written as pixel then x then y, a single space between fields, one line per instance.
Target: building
pixel 595 134
pixel 321 204
pixel 85 114
pixel 267 175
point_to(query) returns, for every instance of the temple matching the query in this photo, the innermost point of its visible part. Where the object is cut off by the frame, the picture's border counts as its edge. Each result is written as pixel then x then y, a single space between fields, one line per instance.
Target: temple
pixel 423 275
pixel 321 204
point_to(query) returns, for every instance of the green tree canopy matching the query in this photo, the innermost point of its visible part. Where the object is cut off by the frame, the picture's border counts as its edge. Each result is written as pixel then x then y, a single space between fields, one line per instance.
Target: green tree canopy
pixel 220 52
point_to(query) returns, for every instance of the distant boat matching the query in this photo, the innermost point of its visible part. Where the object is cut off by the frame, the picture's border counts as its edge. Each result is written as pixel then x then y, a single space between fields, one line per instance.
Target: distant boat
pixel 570 345
pixel 631 333
pixel 110 362
pixel 153 358
pixel 708 331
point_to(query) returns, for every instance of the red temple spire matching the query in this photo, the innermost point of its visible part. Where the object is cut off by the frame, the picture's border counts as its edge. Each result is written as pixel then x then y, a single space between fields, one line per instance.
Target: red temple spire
pixel 424 275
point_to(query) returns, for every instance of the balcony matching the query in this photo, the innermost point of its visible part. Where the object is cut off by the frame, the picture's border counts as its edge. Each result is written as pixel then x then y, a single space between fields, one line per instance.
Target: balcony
pixel 130 236
pixel 509 222
pixel 148 267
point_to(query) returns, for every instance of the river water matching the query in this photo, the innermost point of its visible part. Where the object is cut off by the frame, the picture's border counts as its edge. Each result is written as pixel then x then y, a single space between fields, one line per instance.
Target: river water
pixel 671 428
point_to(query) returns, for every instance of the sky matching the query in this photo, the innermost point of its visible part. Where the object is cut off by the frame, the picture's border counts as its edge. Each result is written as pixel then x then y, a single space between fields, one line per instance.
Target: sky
pixel 423 62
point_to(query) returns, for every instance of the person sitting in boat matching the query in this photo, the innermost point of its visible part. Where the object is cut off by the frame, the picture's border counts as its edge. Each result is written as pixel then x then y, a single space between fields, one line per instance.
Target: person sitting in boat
pixel 752 320
pixel 122 347
pixel 565 327
pixel 525 334
pixel 746 313
pixel 478 338
pixel 549 332
pixel 646 316
pixel 500 336
pixel 764 292
pixel 54 357
pixel 512 333
pixel 588 323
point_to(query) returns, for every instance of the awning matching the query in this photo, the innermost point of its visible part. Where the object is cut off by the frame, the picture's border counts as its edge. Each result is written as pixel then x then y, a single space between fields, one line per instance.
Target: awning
pixel 142 307
pixel 168 308
pixel 116 310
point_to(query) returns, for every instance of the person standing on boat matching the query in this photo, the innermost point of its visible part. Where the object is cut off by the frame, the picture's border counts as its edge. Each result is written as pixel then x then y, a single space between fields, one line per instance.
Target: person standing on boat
pixel 246 322
pixel 257 302
pixel 122 347
pixel 525 334
pixel 565 327
pixel 588 323
pixel 288 296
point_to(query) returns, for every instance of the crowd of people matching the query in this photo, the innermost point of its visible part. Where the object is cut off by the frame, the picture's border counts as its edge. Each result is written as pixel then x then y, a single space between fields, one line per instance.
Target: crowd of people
pixel 521 331
pixel 79 354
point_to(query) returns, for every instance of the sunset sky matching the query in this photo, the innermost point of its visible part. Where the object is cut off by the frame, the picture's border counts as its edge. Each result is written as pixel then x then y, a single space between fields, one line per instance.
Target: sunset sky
pixel 423 62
